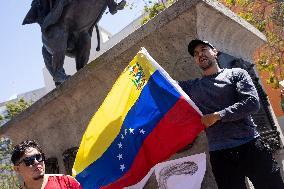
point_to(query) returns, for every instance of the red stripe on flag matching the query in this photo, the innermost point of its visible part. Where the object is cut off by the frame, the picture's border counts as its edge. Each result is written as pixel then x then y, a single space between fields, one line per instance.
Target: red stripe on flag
pixel 179 127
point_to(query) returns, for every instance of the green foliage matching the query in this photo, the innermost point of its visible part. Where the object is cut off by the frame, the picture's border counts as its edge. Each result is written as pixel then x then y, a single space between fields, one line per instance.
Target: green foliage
pixel 1 118
pixel 238 2
pixel 230 2
pixel 15 108
pixel 243 2
pixel 8 179
pixel 260 24
pixel 273 81
pixel 278 14
pixel 268 17
pixel 272 38
pixel 152 9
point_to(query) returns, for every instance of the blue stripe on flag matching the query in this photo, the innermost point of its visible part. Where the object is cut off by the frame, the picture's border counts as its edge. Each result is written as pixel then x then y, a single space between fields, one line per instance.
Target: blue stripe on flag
pixel 155 100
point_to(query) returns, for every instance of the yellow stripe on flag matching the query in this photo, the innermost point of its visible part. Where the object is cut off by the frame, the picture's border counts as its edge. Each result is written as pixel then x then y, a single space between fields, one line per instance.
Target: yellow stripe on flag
pixel 106 123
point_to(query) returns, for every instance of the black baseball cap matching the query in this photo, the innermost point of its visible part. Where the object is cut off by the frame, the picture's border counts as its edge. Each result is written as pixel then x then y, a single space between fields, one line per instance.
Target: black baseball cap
pixel 192 44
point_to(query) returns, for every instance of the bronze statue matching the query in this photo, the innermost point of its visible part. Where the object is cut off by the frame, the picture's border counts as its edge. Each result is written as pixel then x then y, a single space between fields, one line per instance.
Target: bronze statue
pixel 67 27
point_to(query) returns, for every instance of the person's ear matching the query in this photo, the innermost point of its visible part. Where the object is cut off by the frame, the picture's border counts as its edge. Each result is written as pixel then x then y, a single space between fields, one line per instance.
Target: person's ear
pixel 215 52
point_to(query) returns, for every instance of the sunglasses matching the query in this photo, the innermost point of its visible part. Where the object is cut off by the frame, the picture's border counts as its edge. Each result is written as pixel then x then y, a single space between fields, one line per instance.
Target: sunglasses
pixel 31 160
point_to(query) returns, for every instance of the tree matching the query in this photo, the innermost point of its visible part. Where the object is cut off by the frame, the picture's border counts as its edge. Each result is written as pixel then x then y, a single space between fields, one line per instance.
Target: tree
pixel 8 179
pixel 152 8
pixel 17 107
pixel 155 8
pixel 14 108
pixel 268 17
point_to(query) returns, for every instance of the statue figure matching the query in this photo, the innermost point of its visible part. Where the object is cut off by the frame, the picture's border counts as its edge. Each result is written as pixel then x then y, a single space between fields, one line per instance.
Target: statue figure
pixel 67 27
pixel 39 10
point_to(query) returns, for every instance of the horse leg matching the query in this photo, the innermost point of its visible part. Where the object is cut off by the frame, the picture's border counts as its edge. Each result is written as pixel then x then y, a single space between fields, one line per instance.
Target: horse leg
pixel 83 47
pixel 56 42
pixel 57 65
pixel 47 57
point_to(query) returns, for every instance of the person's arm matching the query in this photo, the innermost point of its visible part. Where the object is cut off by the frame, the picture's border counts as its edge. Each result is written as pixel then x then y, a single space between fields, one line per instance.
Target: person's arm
pixel 248 99
pixel 248 102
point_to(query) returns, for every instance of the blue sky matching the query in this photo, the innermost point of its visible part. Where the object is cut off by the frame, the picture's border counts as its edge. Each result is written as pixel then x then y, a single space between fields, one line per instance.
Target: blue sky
pixel 21 61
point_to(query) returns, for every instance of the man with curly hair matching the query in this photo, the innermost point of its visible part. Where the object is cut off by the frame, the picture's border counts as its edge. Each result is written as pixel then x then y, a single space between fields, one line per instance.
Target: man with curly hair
pixel 29 162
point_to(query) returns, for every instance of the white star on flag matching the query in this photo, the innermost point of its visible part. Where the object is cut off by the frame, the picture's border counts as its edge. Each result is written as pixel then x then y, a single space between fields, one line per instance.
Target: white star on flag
pixel 125 131
pixel 142 131
pixel 122 167
pixel 131 130
pixel 119 145
pixel 122 137
pixel 119 156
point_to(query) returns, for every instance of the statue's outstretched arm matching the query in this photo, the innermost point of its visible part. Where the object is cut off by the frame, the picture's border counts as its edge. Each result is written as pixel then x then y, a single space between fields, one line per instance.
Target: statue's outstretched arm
pixel 114 7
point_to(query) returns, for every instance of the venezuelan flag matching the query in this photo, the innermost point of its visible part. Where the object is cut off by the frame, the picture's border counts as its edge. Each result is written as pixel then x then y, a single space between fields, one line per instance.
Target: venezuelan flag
pixel 145 118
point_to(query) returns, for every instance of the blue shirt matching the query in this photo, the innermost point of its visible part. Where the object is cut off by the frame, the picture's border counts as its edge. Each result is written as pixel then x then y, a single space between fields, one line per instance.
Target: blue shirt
pixel 232 93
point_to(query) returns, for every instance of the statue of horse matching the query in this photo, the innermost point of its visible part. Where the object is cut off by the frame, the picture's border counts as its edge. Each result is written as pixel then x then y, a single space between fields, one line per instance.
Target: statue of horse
pixel 67 30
